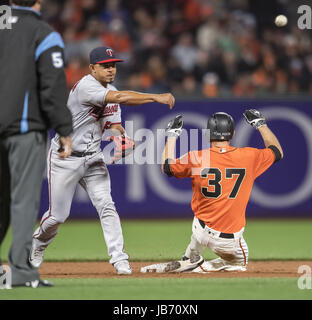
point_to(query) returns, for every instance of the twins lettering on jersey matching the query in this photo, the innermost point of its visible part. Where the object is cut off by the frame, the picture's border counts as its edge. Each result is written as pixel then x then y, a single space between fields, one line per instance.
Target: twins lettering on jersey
pixel 104 111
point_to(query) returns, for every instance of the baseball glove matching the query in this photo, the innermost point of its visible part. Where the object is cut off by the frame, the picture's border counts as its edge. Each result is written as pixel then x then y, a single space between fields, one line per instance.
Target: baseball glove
pixel 123 146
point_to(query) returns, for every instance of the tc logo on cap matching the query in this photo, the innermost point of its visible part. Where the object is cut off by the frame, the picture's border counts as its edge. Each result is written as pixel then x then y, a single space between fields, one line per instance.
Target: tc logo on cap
pixel 109 52
pixel 103 55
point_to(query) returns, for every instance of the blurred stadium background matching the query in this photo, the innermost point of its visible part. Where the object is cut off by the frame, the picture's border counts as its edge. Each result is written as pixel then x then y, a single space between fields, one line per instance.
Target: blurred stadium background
pixel 213 55
pixel 194 48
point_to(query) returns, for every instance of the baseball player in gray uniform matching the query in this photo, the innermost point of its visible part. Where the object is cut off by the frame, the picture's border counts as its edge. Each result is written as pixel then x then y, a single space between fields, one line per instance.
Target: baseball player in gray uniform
pixel 95 107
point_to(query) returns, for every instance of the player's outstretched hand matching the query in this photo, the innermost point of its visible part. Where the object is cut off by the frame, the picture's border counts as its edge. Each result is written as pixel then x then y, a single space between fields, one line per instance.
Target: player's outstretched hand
pixel 166 98
pixel 123 146
pixel 254 118
pixel 65 149
pixel 175 126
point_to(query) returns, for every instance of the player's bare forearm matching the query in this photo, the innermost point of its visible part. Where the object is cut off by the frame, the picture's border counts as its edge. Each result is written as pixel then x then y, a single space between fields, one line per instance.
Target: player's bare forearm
pixel 269 138
pixel 169 151
pixel 133 98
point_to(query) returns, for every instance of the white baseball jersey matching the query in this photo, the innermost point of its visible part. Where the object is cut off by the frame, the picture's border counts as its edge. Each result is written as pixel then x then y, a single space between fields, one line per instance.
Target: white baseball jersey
pixel 91 115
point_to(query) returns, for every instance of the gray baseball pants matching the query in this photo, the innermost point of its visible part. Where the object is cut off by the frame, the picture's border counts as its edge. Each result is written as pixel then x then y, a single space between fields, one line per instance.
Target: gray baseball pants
pixel 22 162
pixel 91 173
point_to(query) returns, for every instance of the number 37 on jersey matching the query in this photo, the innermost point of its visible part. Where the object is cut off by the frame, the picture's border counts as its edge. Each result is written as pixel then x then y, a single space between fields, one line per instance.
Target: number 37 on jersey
pixel 233 176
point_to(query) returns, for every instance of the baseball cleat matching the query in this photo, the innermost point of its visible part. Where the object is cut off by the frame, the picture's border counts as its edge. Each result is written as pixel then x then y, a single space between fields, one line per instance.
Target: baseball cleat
pixel 123 267
pixel 6 284
pixel 35 284
pixel 36 256
pixel 185 265
pixel 172 266
pixel 157 267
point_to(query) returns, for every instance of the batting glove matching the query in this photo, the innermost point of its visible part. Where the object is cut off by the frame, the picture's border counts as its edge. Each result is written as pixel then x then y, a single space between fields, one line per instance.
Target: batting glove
pixel 175 126
pixel 254 118
pixel 123 146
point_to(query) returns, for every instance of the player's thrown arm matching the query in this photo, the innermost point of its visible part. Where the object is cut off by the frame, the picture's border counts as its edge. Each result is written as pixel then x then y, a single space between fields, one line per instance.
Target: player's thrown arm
pixel 173 130
pixel 137 98
pixel 257 120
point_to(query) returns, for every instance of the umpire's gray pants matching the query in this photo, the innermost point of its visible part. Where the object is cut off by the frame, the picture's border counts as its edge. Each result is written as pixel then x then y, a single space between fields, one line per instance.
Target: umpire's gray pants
pixel 22 162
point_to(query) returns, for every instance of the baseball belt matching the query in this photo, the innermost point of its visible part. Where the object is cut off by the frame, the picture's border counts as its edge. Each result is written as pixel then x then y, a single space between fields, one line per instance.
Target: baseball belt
pixel 81 154
pixel 221 235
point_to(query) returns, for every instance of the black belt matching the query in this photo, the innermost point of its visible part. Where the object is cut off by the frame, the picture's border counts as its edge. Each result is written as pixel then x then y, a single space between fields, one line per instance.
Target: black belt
pixel 221 235
pixel 81 154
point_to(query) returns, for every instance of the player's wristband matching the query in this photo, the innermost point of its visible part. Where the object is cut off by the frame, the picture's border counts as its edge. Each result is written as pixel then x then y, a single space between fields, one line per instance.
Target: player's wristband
pixel 277 153
pixel 167 170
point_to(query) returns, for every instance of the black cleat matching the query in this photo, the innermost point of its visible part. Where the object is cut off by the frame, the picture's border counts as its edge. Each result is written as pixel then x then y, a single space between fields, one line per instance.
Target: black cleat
pixel 35 284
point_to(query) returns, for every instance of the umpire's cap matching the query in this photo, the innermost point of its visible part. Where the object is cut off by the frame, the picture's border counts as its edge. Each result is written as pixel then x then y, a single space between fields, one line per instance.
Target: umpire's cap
pixel 221 126
pixel 103 55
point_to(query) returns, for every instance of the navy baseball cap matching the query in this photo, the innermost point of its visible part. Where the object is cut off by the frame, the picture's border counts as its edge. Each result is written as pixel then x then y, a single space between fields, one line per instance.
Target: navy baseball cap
pixel 103 55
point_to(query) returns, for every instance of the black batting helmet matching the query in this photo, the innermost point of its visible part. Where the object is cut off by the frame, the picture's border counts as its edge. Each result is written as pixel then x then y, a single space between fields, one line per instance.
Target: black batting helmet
pixel 221 126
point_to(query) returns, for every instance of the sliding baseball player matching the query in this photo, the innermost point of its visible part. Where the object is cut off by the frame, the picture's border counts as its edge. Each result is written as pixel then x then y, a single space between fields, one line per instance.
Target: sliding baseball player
pixel 95 106
pixel 221 191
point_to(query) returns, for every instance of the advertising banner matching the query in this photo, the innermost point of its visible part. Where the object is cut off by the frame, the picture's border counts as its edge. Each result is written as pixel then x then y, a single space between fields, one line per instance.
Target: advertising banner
pixel 140 190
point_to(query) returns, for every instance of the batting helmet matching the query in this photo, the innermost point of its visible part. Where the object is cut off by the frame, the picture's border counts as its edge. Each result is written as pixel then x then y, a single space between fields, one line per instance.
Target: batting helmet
pixel 221 126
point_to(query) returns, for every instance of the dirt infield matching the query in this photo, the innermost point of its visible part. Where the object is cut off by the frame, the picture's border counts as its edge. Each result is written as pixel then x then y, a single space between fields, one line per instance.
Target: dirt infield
pixel 256 269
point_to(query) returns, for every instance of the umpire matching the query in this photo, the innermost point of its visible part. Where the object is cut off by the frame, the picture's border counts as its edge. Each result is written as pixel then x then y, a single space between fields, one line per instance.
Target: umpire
pixel 33 99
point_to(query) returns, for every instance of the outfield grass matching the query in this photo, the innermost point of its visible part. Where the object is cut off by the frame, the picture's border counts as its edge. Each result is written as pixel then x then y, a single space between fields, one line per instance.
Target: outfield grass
pixel 167 239
pixel 164 289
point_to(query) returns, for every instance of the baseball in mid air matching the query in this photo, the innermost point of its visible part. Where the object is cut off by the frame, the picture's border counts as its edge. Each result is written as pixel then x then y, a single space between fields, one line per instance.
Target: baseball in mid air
pixel 281 20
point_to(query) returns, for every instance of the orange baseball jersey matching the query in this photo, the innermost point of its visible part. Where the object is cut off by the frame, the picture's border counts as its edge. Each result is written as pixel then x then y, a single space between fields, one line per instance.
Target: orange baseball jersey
pixel 222 180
